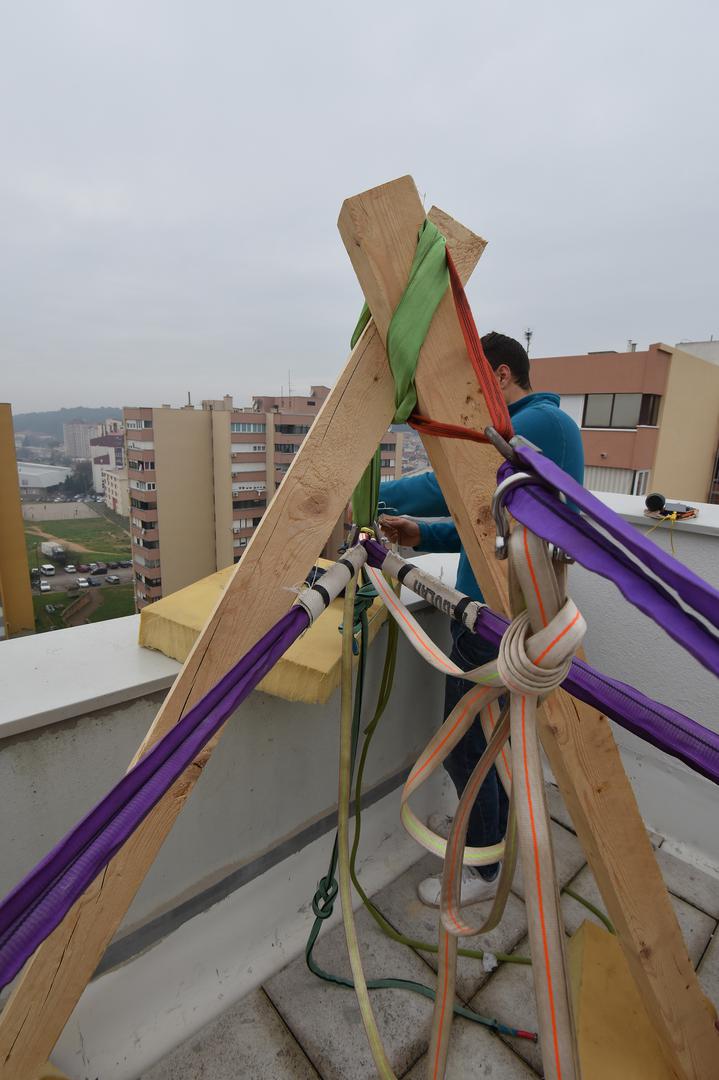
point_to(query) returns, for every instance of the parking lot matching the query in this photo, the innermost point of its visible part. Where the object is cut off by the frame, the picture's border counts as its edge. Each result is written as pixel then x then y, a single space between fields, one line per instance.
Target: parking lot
pixel 60 580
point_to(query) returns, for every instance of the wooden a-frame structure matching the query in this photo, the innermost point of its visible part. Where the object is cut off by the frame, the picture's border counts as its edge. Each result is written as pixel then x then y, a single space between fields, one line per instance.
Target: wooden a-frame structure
pixel 379 229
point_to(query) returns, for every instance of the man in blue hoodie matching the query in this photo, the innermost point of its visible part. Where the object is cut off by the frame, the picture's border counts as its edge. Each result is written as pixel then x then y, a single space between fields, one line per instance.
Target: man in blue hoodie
pixel 538 418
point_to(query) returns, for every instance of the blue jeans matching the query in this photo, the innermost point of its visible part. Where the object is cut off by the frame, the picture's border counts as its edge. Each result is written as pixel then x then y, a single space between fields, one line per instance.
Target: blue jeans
pixel 488 820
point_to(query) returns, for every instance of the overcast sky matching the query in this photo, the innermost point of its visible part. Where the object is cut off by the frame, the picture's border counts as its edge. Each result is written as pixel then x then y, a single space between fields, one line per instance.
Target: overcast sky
pixel 172 173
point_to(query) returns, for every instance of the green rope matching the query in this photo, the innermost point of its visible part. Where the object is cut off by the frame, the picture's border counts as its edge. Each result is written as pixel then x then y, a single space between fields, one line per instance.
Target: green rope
pixel 323 900
pixel 591 907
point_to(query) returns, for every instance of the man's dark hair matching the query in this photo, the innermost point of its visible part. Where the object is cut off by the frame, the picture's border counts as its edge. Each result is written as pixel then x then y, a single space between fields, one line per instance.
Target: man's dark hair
pixel 500 349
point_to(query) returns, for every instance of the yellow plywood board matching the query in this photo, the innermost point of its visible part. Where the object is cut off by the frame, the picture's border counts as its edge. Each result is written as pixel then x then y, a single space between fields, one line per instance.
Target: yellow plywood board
pixel 49 1072
pixel 614 1034
pixel 310 669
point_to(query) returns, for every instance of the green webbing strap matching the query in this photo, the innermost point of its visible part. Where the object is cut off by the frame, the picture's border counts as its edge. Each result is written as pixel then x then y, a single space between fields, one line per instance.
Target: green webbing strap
pixel 427 284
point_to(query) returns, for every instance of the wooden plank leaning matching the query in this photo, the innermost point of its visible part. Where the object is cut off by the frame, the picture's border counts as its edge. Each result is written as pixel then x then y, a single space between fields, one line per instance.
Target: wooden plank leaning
pixel 378 229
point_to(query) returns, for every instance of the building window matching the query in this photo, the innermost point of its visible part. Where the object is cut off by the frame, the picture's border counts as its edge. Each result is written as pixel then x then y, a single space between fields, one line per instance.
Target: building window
pixel 247 504
pixel 641 482
pixel 244 428
pixel 249 448
pixel 285 448
pixel 612 410
pixel 649 412
pixel 291 429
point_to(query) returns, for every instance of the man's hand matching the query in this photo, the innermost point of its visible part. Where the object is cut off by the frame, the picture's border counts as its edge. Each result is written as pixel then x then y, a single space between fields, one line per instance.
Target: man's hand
pixel 400 530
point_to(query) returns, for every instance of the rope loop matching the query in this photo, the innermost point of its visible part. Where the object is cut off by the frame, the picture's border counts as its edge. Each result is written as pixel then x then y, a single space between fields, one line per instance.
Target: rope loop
pixel 323 901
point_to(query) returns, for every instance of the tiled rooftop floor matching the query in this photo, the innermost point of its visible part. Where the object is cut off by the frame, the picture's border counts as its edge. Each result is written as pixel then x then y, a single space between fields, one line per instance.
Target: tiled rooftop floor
pixel 297 1027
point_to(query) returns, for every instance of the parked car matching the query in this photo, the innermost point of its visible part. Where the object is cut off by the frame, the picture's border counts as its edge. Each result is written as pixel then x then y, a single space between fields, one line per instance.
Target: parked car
pixel 83 568
pixel 83 583
pixel 34 573
pixel 94 566
pixel 73 587
pixel 93 581
pixel 112 565
pixel 45 586
pixel 47 569
pixel 99 569
pixel 125 563
pixel 70 569
pixel 113 579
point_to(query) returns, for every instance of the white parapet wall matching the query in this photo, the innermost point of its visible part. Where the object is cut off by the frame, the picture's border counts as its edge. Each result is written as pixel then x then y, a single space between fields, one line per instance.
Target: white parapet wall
pixel 227 901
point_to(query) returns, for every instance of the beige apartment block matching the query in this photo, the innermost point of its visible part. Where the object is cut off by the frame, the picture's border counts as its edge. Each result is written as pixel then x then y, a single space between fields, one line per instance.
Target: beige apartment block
pixel 649 419
pixel 200 480
pixel 116 485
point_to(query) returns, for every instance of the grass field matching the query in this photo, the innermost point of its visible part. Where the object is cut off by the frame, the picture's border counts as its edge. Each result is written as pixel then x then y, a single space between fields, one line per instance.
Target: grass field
pixel 117 600
pixel 104 540
pixel 44 620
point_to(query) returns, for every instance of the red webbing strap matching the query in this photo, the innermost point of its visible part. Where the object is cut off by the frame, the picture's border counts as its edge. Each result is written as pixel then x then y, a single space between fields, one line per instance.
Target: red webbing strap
pixel 498 413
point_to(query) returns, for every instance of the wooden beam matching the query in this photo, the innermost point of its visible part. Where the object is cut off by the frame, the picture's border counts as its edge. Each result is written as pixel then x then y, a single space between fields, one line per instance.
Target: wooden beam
pixel 289 538
pixel 379 232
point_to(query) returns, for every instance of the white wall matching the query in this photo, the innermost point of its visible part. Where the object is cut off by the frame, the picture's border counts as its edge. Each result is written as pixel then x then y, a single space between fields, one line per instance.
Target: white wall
pixel 604 478
pixel 573 405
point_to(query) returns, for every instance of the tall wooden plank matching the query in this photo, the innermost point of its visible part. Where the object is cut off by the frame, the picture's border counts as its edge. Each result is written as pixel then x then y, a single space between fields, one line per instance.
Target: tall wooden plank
pixel 379 230
pixel 291 535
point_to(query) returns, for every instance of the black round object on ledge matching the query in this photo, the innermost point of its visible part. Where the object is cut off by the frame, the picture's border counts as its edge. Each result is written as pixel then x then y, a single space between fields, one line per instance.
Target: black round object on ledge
pixel 655 502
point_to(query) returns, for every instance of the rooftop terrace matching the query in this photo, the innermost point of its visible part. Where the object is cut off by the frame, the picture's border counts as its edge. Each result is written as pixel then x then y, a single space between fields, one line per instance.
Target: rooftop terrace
pixel 216 934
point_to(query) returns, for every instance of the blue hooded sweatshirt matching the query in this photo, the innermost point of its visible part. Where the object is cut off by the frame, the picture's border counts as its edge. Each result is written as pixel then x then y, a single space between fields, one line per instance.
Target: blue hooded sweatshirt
pixel 535 416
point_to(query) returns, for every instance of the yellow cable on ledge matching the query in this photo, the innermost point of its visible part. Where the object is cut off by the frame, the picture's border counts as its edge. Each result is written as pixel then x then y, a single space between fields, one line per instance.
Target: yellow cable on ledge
pixel 384 1069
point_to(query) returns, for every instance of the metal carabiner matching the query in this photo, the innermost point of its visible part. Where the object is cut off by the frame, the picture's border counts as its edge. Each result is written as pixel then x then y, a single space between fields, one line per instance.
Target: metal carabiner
pixel 501 548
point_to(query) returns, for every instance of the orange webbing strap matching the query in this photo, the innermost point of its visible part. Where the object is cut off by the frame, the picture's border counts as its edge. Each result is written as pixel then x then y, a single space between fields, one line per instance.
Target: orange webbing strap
pixel 482 368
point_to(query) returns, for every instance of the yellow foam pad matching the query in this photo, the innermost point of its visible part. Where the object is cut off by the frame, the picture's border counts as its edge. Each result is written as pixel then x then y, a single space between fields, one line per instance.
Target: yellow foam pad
pixel 614 1033
pixel 49 1072
pixel 310 669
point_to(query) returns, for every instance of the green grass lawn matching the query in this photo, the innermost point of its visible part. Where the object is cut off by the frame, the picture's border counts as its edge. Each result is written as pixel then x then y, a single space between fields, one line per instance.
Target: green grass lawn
pixel 104 539
pixel 117 600
pixel 44 620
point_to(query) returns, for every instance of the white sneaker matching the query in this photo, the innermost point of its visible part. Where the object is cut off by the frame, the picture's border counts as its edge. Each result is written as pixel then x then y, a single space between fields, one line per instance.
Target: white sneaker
pixel 474 888
pixel 441 824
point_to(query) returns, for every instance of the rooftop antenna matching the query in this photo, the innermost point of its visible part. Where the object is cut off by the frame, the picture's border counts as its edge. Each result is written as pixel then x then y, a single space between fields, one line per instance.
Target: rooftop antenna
pixel 189 399
pixel 528 337
pixel 289 387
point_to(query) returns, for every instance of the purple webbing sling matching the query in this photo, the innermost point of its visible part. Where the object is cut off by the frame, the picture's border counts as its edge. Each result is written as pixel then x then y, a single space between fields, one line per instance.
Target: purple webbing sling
pixel 668 730
pixel 39 903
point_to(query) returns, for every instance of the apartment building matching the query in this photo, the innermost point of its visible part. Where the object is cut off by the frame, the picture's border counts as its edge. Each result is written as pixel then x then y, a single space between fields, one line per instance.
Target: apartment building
pixel 106 452
pixel 200 480
pixel 76 436
pixel 649 419
pixel 116 486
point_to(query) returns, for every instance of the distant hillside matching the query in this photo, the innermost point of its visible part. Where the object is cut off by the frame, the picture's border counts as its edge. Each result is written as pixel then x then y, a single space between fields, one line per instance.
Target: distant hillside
pixel 50 423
